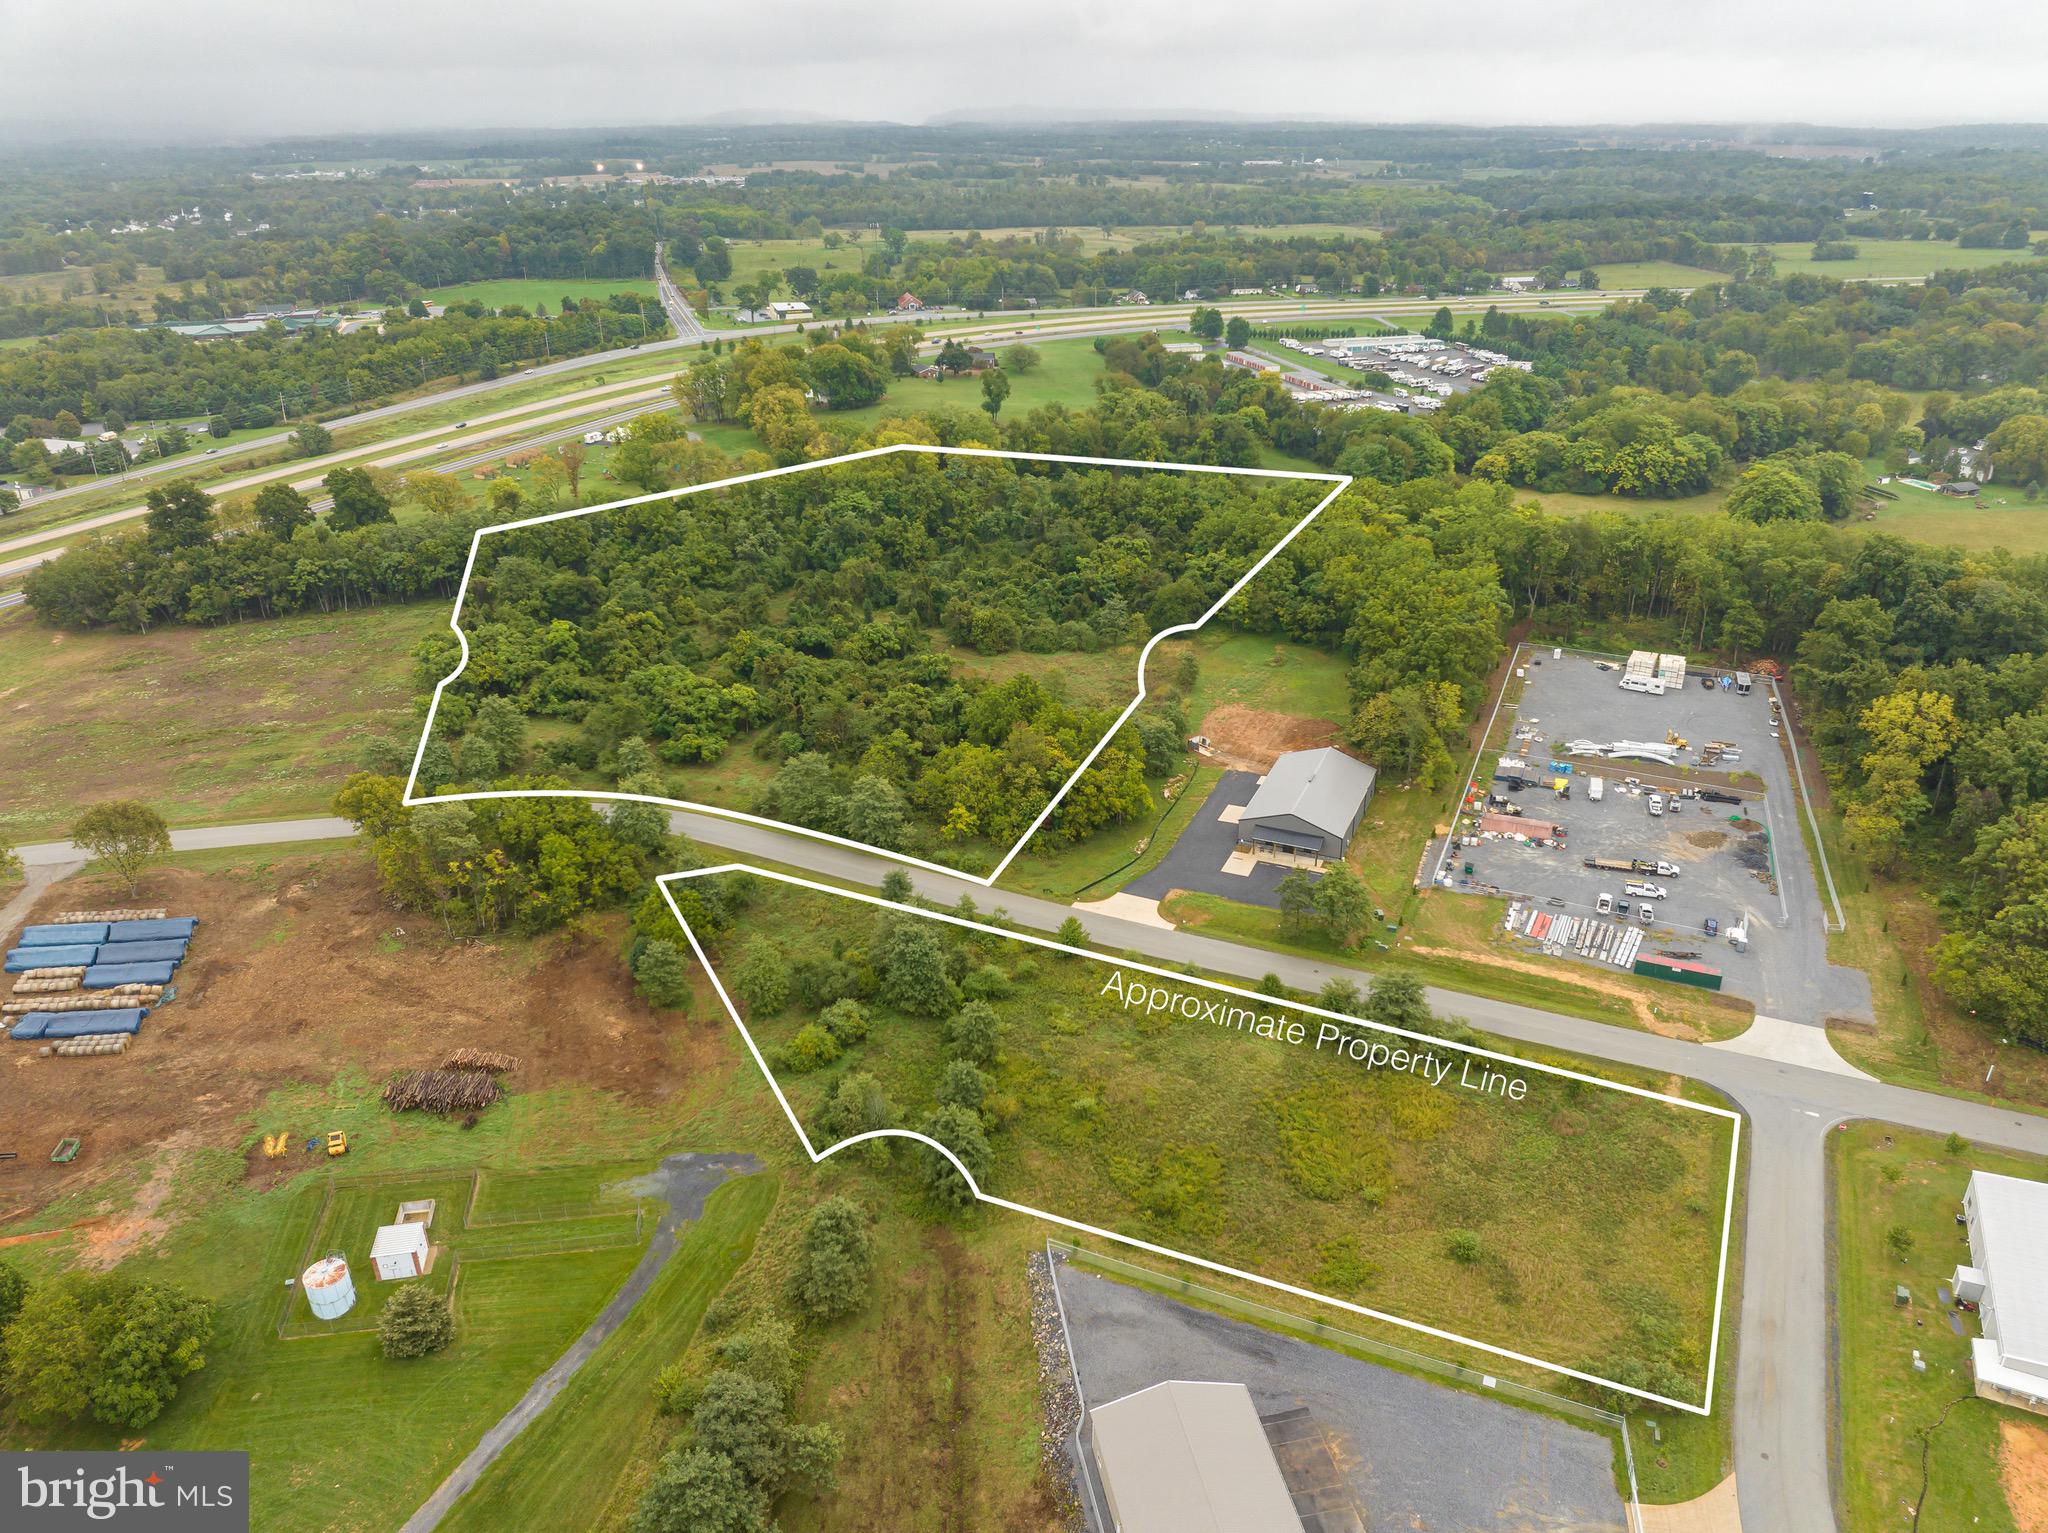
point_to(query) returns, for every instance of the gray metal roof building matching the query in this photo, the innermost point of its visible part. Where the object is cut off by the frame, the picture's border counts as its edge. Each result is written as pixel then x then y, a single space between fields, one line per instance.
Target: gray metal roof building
pixel 1186 1457
pixel 1310 802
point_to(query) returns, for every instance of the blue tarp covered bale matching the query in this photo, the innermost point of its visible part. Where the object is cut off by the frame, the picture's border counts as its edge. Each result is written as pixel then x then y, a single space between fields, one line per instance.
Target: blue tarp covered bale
pixel 152 931
pixel 22 959
pixel 30 1027
pixel 141 952
pixel 80 1024
pixel 67 934
pixel 101 976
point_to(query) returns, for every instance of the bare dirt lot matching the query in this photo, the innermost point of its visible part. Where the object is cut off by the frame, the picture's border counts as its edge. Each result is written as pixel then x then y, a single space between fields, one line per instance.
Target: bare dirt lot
pixel 301 971
pixel 1251 739
pixel 2023 1466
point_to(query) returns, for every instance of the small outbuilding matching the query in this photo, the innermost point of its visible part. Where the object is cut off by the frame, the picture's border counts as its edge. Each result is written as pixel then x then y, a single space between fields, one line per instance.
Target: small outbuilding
pixel 1186 1457
pixel 400 1251
pixel 1309 804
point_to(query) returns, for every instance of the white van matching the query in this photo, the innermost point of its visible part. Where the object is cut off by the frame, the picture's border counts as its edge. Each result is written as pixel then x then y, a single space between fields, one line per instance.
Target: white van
pixel 1605 904
pixel 1656 803
pixel 1596 788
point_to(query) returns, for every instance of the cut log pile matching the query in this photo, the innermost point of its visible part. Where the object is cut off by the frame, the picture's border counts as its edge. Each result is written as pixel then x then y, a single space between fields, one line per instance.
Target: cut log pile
pixel 442 1091
pixel 481 1059
pixel 73 917
pixel 91 1043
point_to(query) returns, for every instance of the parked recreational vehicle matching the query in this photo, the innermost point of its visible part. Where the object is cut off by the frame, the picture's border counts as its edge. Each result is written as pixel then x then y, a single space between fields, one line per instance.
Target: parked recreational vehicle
pixel 1649 684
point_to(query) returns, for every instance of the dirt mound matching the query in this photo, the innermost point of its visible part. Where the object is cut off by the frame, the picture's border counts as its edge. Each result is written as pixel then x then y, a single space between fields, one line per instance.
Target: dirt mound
pixel 1252 739
pixel 1707 840
pixel 300 971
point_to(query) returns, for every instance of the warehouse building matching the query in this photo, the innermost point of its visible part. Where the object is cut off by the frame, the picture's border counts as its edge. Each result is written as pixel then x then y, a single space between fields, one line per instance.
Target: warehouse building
pixel 2007 1219
pixel 1309 804
pixel 1184 1457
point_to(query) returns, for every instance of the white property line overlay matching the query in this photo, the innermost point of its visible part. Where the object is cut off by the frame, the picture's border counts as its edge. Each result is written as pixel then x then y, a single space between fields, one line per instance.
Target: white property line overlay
pixel 1338 482
pixel 817 1155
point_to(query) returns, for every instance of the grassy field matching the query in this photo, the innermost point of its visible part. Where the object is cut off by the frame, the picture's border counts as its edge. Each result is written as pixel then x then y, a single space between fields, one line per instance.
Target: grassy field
pixel 244 722
pixel 573 1458
pixel 1567 503
pixel 1891 259
pixel 1066 375
pixel 1883 1178
pixel 48 286
pixel 538 290
pixel 2005 519
pixel 1305 1167
pixel 1627 274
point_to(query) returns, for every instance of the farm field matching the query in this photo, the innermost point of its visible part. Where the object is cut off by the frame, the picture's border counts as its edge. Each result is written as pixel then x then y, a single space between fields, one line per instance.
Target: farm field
pixel 242 722
pixel 48 286
pixel 528 292
pixel 1890 259
pixel 1065 374
pixel 753 259
pixel 1883 1178
pixel 1288 1161
pixel 1631 274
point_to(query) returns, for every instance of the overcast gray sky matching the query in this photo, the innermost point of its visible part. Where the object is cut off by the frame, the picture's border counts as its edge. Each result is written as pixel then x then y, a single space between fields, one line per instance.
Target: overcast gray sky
pixel 241 67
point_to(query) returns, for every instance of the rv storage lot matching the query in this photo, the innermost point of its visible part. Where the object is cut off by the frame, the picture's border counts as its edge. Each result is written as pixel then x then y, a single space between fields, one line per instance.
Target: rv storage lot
pixel 1785 972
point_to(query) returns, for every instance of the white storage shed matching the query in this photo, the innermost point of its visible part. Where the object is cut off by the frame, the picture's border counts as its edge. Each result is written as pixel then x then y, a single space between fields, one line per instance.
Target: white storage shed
pixel 400 1251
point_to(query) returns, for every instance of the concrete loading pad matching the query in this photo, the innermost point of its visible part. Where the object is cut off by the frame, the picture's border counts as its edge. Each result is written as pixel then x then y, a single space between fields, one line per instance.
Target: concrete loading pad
pixel 1577 697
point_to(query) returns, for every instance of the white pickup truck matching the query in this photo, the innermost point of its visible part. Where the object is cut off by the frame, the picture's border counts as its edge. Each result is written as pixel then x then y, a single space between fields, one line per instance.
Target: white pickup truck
pixel 1643 891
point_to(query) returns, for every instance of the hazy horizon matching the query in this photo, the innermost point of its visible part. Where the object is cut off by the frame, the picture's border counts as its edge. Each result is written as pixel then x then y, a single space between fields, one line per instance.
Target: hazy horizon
pixel 241 72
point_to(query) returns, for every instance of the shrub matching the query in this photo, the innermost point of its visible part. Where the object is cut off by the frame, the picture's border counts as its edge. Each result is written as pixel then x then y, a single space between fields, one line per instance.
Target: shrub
pixel 812 1048
pixel 417 1322
pixel 846 1021
pixel 973 1031
pixel 697 1492
pixel 959 1131
pixel 761 979
pixel 662 975
pixel 987 983
pixel 1465 1247
pixel 833 1264
pixel 965 1086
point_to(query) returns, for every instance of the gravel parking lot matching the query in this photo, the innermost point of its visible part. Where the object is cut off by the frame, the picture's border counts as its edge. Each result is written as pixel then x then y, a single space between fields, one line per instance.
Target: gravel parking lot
pixel 1786 971
pixel 1412 1454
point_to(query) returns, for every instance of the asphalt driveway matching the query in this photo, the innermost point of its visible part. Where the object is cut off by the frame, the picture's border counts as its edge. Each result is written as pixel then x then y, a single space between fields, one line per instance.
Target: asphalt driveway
pixel 1196 861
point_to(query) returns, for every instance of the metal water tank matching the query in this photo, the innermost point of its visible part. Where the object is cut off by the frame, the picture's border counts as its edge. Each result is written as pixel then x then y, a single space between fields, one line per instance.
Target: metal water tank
pixel 329 1288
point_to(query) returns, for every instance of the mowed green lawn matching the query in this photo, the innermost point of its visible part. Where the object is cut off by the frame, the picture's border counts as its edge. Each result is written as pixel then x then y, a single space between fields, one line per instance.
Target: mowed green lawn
pixel 1885 1177
pixel 561 1471
pixel 2007 519
pixel 1892 259
pixel 341 1438
pixel 527 292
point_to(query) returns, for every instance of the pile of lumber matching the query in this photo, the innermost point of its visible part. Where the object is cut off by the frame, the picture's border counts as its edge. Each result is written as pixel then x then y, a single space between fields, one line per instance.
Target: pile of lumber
pixel 442 1091
pixel 72 917
pixel 480 1059
pixel 87 1000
